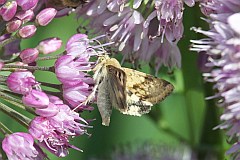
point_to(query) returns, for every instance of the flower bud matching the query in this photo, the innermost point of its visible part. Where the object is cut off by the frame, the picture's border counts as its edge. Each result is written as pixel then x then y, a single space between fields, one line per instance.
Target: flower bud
pixel 27 31
pixel 26 4
pixel 36 99
pixel 29 55
pixel 8 10
pixel 25 16
pixel 13 25
pixel 46 16
pixel 49 45
pixel 21 82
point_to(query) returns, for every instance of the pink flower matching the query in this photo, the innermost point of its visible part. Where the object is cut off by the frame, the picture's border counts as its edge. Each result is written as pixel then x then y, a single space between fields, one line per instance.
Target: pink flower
pixel 27 4
pixel 49 45
pixel 29 55
pixel 54 132
pixel 68 122
pixel 46 16
pixel 21 82
pixel 74 67
pixel 25 16
pixel 13 25
pixel 8 10
pixel 27 31
pixel 21 146
pixel 36 99
pixel 77 93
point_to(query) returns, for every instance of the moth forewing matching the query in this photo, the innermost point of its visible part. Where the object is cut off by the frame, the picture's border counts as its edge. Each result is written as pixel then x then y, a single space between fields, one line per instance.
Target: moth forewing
pixel 117 87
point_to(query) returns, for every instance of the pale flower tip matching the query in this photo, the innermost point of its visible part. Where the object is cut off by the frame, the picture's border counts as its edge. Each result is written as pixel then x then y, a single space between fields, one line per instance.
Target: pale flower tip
pixel 234 22
pixel 49 45
pixel 136 4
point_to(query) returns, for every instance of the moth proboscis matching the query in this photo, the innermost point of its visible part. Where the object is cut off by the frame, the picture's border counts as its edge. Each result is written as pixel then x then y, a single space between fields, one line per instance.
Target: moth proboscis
pixel 129 91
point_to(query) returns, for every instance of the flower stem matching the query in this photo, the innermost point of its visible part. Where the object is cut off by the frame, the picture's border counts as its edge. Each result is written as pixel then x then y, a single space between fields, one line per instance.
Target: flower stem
pixel 49 57
pixel 4 129
pixel 3 78
pixel 16 115
pixel 32 68
pixel 16 102
pixel 164 128
pixel 55 86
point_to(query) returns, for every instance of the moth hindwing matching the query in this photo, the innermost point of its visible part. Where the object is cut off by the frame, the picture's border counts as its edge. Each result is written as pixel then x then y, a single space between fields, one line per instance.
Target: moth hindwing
pixel 130 91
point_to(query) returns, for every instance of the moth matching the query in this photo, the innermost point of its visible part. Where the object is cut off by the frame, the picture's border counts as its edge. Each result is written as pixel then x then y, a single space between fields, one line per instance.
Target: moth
pixel 67 3
pixel 127 90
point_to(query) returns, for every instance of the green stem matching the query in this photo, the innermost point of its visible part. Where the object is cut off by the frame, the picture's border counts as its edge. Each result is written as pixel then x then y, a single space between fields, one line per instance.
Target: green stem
pixel 175 135
pixel 49 57
pixel 16 115
pixel 16 102
pixel 3 78
pixel 55 86
pixel 156 118
pixel 211 120
pixel 33 68
pixel 4 129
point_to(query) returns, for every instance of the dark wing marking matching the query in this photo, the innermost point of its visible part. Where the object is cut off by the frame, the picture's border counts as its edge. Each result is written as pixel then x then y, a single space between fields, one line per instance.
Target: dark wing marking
pixel 117 87
pixel 143 91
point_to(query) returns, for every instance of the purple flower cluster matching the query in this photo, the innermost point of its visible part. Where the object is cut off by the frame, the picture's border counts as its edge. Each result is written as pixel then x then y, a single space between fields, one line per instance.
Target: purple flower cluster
pixel 141 35
pixel 17 13
pixel 56 122
pixel 222 48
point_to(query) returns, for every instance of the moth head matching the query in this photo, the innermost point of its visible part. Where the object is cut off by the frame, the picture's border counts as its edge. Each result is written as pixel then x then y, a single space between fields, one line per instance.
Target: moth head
pixel 102 58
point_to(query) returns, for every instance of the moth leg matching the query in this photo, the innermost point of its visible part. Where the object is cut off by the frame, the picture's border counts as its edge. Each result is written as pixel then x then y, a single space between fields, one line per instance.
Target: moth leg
pixel 89 98
pixel 97 78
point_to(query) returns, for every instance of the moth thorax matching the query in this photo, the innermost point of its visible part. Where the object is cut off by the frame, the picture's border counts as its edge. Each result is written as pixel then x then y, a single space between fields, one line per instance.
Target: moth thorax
pixel 113 62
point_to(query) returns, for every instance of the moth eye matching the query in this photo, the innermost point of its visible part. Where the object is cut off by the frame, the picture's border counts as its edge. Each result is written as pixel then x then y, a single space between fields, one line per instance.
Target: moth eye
pixel 101 59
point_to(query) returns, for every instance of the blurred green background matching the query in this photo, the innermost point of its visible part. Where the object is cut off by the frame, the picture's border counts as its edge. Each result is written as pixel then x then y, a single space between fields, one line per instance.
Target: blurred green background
pixel 184 118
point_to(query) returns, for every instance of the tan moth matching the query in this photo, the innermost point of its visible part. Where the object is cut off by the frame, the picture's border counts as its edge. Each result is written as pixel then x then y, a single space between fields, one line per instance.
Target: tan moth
pixel 66 3
pixel 129 91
